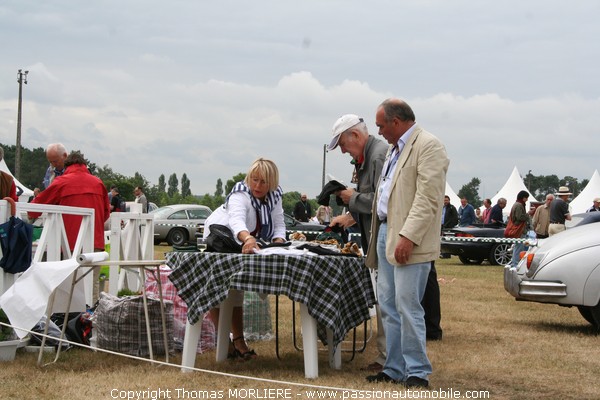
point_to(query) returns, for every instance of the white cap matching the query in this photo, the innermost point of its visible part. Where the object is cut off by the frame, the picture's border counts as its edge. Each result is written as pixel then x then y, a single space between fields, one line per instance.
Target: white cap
pixel 343 123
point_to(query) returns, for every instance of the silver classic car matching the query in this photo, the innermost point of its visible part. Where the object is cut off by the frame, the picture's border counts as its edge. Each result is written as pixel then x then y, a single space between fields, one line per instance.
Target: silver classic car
pixel 176 224
pixel 563 269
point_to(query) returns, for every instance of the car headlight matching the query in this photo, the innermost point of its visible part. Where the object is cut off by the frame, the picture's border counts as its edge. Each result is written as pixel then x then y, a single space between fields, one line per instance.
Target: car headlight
pixel 534 260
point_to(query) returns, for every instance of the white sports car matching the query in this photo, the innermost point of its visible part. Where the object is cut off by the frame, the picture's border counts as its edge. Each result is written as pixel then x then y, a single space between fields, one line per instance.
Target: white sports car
pixel 563 269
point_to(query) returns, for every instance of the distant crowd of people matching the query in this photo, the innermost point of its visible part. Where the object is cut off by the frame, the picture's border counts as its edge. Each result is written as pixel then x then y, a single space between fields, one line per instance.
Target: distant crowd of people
pixel 541 221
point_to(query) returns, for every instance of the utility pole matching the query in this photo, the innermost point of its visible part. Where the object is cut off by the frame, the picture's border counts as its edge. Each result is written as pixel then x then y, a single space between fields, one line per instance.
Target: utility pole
pixel 22 79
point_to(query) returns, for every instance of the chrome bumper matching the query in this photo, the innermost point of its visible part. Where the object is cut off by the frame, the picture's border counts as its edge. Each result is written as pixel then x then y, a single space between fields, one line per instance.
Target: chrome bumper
pixel 541 291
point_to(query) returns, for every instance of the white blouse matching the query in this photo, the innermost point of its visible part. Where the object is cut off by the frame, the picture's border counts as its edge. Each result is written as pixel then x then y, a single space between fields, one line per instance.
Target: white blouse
pixel 239 215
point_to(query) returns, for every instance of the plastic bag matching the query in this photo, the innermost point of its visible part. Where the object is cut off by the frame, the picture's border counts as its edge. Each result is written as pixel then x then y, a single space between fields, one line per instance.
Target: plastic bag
pixel 53 331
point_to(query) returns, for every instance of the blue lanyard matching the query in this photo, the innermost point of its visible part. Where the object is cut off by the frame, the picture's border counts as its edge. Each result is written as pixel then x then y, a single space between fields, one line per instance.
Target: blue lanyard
pixel 391 162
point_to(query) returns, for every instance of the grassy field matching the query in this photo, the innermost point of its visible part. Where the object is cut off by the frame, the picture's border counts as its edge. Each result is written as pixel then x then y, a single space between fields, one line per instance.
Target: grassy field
pixel 492 345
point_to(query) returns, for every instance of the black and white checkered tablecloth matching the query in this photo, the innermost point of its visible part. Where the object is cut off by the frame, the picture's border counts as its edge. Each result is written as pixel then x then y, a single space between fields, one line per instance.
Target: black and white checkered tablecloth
pixel 336 290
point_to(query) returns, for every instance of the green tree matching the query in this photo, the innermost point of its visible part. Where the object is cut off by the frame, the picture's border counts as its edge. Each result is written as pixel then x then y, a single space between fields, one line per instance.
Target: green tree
pixel 173 184
pixel 212 202
pixel 540 185
pixel 141 181
pixel 123 183
pixel 235 179
pixel 162 199
pixel 289 201
pixel 161 184
pixel 219 190
pixel 470 191
pixel 33 166
pixel 110 178
pixel 572 183
pixel 185 186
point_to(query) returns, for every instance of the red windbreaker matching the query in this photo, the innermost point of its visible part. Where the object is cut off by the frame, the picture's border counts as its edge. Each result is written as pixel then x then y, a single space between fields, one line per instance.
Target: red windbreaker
pixel 78 188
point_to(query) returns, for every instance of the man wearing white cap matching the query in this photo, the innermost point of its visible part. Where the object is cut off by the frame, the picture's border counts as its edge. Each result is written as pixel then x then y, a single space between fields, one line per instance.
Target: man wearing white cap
pixel 368 154
pixel 559 211
pixel 595 206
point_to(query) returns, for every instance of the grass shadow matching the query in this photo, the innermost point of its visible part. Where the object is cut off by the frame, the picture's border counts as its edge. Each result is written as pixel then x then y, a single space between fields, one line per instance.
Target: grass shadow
pixel 587 330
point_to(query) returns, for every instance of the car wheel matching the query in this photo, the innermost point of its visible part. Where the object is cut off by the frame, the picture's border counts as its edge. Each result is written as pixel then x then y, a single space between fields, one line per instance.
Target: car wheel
pixel 177 237
pixel 586 312
pixel 595 313
pixel 500 254
pixel 469 260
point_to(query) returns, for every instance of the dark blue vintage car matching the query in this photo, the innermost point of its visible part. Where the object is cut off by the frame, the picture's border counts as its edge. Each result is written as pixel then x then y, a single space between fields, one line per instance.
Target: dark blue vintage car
pixel 474 244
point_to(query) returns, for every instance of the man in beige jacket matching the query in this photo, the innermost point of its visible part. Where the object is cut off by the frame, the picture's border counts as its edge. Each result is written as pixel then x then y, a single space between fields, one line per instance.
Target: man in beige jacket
pixel 541 218
pixel 405 231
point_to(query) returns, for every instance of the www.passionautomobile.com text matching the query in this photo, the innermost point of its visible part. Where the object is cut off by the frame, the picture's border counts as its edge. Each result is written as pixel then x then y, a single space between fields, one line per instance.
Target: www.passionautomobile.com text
pixel 275 393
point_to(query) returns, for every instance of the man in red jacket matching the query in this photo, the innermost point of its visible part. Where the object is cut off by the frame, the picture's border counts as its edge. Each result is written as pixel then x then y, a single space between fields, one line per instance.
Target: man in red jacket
pixel 78 188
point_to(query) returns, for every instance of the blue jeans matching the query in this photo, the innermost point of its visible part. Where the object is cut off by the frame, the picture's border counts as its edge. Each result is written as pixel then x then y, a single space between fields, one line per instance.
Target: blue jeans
pixel 400 291
pixel 517 249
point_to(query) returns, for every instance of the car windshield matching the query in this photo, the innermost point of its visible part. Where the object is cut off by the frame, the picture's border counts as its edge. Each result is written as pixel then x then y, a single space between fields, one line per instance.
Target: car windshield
pixel 199 213
pixel 162 212
pixel 575 220
pixel 181 214
pixel 289 220
pixel 188 213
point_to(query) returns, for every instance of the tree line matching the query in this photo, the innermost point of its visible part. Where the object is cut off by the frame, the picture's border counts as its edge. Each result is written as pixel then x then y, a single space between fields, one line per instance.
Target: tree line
pixel 537 185
pixel 167 191
pixel 175 191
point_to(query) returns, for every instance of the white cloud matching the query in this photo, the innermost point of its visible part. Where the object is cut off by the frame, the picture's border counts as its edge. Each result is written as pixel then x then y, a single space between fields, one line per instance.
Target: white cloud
pixel 204 89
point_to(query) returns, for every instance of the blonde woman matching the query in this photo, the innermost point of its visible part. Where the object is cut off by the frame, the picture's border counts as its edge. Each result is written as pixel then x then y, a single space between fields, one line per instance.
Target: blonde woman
pixel 253 210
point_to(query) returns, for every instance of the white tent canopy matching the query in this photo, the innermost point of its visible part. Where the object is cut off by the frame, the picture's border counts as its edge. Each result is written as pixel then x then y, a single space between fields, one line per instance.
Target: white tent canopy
pixel 509 191
pixel 26 191
pixel 584 200
pixel 454 199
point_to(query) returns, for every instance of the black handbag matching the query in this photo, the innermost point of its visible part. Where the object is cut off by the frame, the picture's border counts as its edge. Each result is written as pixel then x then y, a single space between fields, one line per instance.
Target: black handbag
pixel 15 240
pixel 221 240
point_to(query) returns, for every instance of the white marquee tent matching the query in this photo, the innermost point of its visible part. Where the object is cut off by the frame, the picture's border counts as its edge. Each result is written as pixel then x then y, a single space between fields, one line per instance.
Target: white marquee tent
pixel 584 200
pixel 454 199
pixel 509 191
pixel 26 191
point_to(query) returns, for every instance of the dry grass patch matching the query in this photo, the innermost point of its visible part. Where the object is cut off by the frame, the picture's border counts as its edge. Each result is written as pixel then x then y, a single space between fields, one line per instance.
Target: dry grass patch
pixel 514 350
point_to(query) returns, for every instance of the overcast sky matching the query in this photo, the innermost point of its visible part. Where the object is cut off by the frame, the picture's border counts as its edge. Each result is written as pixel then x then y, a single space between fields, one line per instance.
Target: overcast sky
pixel 204 88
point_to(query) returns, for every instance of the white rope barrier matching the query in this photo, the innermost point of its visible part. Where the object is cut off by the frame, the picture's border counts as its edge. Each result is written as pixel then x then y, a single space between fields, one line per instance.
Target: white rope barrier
pixel 163 363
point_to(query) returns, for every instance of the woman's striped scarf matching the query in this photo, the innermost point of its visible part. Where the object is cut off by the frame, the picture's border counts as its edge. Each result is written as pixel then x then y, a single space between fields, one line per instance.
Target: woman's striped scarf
pixel 263 208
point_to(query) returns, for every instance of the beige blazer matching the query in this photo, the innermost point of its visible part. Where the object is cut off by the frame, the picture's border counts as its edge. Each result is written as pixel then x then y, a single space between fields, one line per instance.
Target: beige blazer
pixel 416 200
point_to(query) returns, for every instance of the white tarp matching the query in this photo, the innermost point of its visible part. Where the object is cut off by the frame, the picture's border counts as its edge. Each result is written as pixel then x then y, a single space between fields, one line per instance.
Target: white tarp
pixel 585 199
pixel 26 191
pixel 26 301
